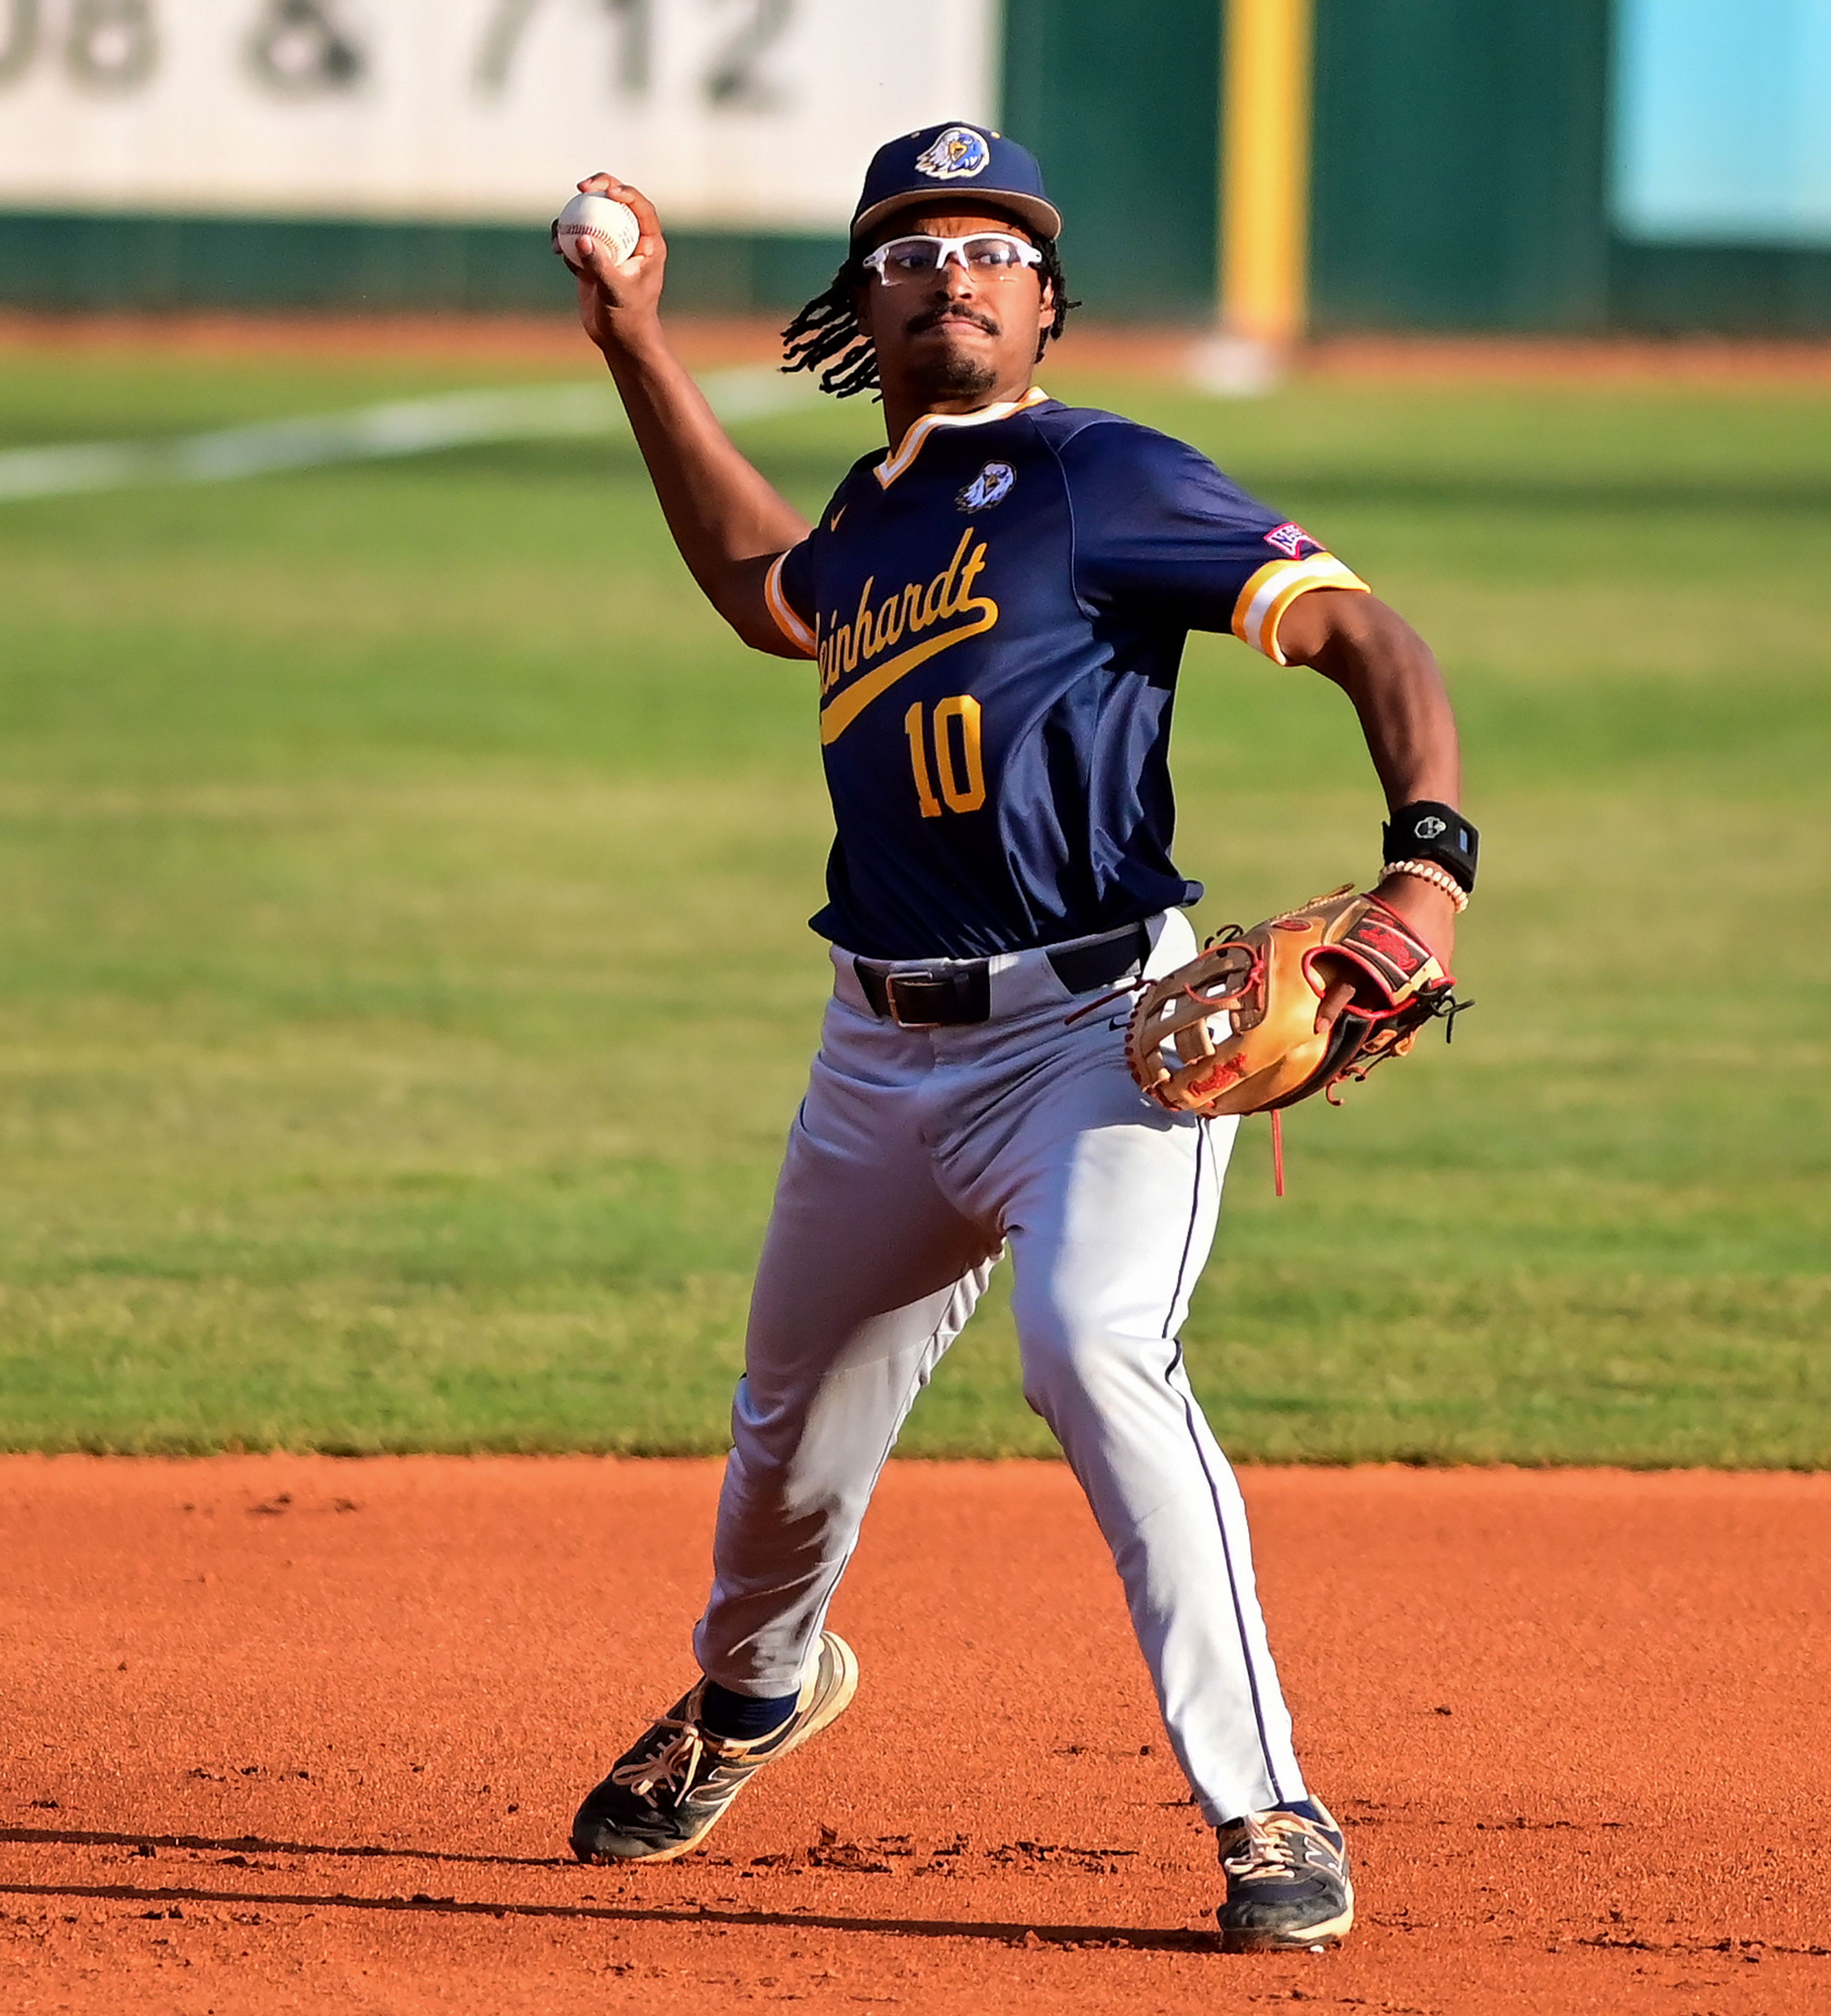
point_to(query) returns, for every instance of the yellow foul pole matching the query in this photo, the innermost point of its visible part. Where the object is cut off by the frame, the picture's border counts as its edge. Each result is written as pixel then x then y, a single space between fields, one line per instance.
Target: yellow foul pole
pixel 1265 169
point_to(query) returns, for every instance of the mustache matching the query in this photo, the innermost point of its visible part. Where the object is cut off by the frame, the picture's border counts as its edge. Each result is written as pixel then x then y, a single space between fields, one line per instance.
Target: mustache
pixel 950 311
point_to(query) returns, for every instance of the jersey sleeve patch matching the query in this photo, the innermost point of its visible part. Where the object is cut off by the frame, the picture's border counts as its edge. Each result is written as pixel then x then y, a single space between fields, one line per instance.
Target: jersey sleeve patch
pixel 789 620
pixel 1274 587
pixel 1291 541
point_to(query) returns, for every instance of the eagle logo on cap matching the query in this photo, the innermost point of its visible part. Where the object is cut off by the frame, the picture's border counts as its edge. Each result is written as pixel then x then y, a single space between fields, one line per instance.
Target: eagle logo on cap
pixel 957 152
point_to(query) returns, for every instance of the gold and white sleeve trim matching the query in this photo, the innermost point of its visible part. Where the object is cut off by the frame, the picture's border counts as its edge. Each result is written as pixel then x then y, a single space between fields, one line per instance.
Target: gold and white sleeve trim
pixel 1276 585
pixel 791 626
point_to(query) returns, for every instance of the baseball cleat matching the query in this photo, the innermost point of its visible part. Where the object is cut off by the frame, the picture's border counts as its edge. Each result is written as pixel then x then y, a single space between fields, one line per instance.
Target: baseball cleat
pixel 1287 1882
pixel 667 1793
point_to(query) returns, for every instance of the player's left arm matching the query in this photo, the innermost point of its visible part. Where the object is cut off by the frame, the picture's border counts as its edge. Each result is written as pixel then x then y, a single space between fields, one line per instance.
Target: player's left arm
pixel 1388 671
pixel 1159 528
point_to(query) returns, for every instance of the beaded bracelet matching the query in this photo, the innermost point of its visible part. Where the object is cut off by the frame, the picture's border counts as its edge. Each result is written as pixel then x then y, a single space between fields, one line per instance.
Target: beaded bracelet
pixel 1438 878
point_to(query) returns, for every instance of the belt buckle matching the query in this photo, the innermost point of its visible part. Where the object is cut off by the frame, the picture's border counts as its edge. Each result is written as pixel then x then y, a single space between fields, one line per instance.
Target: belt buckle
pixel 891 981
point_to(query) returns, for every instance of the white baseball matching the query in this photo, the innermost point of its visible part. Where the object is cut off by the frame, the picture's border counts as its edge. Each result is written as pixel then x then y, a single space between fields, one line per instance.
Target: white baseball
pixel 612 224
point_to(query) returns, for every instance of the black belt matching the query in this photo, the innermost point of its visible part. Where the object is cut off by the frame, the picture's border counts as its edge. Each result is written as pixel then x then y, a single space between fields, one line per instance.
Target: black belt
pixel 961 990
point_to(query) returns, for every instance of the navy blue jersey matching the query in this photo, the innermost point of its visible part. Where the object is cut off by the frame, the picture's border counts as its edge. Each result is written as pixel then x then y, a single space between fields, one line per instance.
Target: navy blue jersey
pixel 998 611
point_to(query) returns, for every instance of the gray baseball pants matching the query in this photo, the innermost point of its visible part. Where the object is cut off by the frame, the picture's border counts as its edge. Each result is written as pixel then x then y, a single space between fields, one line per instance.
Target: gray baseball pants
pixel 916 1158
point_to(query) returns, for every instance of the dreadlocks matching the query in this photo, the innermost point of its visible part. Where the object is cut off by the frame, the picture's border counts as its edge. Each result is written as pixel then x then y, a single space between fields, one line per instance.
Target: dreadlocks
pixel 826 336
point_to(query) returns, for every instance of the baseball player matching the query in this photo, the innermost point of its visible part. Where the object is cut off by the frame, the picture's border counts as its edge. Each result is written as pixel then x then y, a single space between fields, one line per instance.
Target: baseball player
pixel 995 609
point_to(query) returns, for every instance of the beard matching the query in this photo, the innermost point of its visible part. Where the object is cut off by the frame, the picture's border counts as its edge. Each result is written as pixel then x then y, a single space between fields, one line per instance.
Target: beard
pixel 956 371
pixel 958 374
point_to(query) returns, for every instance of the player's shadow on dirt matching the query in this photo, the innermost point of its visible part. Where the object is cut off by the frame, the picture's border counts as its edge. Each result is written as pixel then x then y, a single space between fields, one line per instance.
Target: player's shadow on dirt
pixel 249 1844
pixel 163 1898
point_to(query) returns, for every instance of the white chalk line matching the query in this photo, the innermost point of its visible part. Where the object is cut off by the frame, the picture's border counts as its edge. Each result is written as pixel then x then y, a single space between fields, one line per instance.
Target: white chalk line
pixel 369 433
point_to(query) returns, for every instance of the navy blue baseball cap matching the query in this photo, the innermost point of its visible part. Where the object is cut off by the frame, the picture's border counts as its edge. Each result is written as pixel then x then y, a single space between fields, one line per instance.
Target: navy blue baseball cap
pixel 942 160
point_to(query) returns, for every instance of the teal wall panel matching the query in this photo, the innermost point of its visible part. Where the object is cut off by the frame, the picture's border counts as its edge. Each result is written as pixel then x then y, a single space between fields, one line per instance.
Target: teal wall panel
pixel 1459 164
pixel 1122 106
pixel 1719 110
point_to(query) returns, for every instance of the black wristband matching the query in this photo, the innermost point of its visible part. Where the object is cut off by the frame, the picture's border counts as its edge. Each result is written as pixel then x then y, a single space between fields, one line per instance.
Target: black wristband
pixel 1428 831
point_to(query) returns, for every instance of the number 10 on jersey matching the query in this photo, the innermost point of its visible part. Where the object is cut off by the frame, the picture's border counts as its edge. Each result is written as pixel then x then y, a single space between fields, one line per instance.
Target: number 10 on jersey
pixel 959 763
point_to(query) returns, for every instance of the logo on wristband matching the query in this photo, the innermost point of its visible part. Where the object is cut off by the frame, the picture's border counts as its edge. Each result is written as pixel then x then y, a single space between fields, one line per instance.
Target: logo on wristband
pixel 1429 827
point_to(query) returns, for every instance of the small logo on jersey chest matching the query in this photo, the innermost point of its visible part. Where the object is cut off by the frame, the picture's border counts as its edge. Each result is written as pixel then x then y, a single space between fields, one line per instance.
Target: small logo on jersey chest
pixel 1291 541
pixel 956 153
pixel 992 485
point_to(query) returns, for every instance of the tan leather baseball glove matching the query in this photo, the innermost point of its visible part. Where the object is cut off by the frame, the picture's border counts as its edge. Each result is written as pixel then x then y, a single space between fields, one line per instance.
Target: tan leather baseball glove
pixel 1235 1030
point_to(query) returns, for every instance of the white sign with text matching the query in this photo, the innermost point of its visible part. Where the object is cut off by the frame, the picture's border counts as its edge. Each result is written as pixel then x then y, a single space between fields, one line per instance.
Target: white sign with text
pixel 748 114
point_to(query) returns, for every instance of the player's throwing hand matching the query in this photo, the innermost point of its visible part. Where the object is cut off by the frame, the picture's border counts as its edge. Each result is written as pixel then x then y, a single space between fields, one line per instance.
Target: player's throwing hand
pixel 610 292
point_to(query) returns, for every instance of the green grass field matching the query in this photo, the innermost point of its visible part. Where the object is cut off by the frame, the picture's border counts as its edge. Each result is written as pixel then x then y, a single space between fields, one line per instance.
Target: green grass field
pixel 405 989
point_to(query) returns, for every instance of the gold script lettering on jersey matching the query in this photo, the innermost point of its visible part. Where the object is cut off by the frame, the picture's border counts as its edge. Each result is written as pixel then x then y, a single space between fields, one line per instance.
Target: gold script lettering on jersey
pixel 854 668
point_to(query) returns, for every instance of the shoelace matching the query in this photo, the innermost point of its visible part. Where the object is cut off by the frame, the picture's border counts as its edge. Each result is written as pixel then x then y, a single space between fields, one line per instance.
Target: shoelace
pixel 672 1766
pixel 1273 1842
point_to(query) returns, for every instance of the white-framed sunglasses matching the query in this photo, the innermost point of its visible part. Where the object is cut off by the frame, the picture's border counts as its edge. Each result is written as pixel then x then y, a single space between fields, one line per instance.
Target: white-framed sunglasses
pixel 989 254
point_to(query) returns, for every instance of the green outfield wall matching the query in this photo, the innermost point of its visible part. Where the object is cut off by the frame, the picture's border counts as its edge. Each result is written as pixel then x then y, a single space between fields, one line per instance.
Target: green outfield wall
pixel 1460 181
pixel 60 262
pixel 1457 170
pixel 1123 110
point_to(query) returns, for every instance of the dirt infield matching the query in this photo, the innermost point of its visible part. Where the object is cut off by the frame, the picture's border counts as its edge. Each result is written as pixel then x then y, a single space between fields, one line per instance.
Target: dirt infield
pixel 287 1734
pixel 710 341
